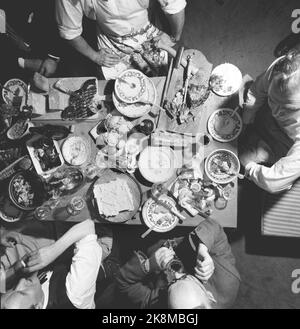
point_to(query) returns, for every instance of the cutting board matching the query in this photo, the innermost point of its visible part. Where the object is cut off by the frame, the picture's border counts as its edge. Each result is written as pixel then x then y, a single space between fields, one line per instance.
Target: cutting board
pixel 49 106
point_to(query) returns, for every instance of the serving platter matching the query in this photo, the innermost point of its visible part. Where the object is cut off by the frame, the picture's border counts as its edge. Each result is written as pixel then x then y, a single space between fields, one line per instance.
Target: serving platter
pixel 31 150
pixel 224 126
pixel 107 176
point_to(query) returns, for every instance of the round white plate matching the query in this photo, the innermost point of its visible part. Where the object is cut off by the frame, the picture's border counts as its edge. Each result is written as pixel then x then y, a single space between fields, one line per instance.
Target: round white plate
pixel 76 150
pixel 230 79
pixel 222 119
pixel 16 86
pixel 218 176
pixel 136 110
pixel 157 164
pixel 131 86
pixel 169 221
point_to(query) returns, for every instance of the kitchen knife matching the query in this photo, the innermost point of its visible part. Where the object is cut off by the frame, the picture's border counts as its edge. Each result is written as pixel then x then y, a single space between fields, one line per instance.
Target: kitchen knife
pixel 175 75
pixel 172 210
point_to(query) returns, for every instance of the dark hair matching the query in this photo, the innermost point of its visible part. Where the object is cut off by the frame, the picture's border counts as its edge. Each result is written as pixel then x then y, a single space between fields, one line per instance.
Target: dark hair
pixel 287 71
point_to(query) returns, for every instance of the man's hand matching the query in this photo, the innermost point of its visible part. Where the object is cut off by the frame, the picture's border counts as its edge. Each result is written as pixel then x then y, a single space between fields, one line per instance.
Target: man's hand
pixel 9 238
pixel 39 259
pixel 205 267
pixel 105 57
pixel 163 256
pixel 164 39
pixel 48 67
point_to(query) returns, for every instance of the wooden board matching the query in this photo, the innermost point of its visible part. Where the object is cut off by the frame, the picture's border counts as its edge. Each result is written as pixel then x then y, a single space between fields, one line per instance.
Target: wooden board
pixel 48 107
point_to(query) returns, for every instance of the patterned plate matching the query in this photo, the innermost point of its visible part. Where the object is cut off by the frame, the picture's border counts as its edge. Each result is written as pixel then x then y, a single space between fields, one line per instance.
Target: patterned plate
pixel 17 86
pixel 222 166
pixel 223 127
pixel 130 86
pixel 160 221
pixel 136 110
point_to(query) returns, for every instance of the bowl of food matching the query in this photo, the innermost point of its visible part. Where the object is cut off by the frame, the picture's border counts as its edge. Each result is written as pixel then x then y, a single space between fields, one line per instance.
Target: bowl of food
pixel 222 166
pixel 158 217
pixel 226 79
pixel 157 164
pixel 19 129
pixel 130 86
pixel 224 125
pixel 45 154
pixel 76 150
pixel 26 191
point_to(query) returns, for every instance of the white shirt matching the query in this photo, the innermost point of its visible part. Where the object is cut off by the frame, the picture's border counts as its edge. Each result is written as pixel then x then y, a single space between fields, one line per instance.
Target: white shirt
pixel 114 17
pixel 45 288
pixel 285 109
pixel 81 279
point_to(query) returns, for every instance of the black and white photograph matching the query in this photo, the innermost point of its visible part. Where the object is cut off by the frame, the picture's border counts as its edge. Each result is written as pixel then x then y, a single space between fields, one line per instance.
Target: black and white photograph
pixel 149 157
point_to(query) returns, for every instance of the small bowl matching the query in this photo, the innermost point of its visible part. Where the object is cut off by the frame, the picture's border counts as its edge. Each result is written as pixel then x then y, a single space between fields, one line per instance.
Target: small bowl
pixel 37 188
pixel 26 131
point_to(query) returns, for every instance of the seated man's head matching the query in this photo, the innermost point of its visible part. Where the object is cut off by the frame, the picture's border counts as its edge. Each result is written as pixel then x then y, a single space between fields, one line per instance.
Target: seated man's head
pixel 27 294
pixel 286 75
pixel 188 293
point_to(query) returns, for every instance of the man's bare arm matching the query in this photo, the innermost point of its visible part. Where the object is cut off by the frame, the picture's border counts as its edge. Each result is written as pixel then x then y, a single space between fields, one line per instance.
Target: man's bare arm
pixel 44 256
pixel 176 22
pixel 103 57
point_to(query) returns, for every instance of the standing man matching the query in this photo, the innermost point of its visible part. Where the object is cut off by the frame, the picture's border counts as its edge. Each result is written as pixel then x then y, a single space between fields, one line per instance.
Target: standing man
pixel 123 26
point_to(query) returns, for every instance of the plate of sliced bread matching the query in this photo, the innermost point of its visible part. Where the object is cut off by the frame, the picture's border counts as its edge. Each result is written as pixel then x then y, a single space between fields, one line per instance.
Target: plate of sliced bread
pixel 116 196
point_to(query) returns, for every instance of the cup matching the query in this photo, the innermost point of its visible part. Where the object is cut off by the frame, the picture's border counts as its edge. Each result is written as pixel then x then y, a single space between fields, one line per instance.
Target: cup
pixel 75 206
pixel 42 212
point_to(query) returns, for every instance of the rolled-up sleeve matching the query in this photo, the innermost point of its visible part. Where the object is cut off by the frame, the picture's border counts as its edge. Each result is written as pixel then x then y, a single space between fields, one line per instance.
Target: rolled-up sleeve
pixel 172 6
pixel 81 279
pixel 281 175
pixel 69 15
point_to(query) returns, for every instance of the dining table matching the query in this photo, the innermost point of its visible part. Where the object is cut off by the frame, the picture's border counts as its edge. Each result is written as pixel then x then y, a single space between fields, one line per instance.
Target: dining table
pixel 226 217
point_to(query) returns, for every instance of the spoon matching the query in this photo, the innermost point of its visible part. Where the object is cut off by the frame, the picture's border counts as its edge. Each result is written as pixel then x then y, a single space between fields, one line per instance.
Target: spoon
pixel 234 111
pixel 150 229
pixel 132 85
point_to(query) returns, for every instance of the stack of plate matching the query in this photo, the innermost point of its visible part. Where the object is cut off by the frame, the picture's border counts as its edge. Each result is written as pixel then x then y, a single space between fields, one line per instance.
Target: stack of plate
pixel 134 94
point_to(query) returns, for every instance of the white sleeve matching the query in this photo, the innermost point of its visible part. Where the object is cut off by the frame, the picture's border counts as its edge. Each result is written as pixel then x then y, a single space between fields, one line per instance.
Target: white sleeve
pixel 81 279
pixel 281 175
pixel 69 15
pixel 172 6
pixel 2 280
